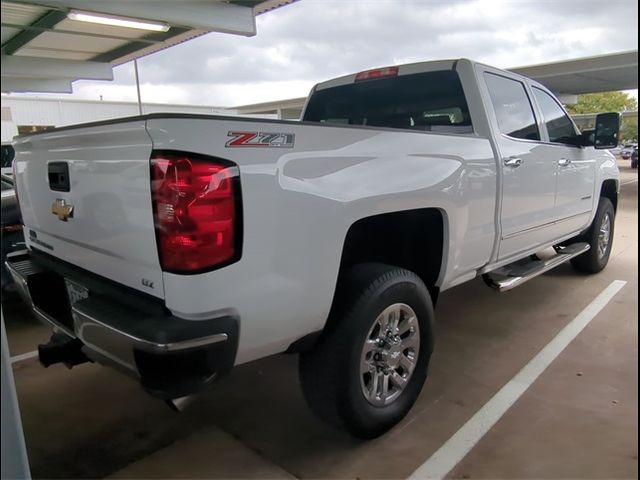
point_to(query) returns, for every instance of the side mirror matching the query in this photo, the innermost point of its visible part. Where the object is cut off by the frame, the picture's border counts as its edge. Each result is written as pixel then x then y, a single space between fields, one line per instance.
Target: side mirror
pixel 587 136
pixel 607 130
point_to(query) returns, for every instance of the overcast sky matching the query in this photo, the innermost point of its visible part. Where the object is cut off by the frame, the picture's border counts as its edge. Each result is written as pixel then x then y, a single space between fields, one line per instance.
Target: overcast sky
pixel 314 40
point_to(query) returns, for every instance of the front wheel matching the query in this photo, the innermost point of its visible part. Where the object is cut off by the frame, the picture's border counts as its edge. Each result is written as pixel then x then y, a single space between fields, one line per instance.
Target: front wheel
pixel 600 239
pixel 369 367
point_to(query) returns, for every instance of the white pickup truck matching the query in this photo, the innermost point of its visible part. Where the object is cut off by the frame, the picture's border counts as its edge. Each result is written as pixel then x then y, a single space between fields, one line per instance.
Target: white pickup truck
pixel 174 247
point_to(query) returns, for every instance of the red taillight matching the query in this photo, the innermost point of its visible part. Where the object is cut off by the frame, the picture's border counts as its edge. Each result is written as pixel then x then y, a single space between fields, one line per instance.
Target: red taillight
pixel 377 73
pixel 195 208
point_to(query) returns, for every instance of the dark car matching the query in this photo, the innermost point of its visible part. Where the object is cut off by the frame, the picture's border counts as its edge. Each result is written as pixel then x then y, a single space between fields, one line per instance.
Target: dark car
pixel 634 158
pixel 628 150
pixel 12 238
pixel 8 154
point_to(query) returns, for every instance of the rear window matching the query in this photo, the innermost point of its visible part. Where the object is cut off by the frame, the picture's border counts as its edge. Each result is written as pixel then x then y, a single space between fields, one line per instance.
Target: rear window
pixel 432 101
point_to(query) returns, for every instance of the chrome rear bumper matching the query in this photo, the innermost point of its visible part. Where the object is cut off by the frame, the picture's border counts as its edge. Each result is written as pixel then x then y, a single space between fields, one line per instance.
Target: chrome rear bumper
pixel 127 330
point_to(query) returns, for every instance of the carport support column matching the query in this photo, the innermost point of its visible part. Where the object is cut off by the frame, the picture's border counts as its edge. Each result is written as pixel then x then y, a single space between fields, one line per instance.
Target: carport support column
pixel 135 67
pixel 14 454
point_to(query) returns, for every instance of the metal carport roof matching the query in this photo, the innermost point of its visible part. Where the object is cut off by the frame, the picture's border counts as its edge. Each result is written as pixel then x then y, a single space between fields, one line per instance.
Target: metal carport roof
pixel 45 47
pixel 602 73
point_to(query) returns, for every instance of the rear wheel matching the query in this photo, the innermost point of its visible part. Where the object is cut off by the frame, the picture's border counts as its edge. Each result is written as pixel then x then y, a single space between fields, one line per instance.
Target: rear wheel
pixel 600 239
pixel 369 367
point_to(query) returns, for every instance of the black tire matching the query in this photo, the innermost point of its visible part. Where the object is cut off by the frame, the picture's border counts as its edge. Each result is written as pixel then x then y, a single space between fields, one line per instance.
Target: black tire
pixel 634 163
pixel 592 261
pixel 330 373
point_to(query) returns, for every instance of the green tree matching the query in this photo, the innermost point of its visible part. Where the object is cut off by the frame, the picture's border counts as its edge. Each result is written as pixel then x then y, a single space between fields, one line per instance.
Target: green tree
pixel 610 102
pixel 629 129
pixel 604 102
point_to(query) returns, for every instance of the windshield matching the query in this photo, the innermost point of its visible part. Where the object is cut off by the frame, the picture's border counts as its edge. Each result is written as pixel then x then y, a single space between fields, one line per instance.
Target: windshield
pixel 432 101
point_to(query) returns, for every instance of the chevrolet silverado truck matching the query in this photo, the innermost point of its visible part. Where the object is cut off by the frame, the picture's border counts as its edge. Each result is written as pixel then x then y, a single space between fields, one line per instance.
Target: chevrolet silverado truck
pixel 174 247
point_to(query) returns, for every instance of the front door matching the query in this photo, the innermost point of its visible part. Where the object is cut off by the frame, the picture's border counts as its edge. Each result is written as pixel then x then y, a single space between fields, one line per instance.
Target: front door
pixel 576 166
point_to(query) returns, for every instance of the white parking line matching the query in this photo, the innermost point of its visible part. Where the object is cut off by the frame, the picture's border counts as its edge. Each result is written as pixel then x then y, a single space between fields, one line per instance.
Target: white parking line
pixel 459 445
pixel 629 181
pixel 24 356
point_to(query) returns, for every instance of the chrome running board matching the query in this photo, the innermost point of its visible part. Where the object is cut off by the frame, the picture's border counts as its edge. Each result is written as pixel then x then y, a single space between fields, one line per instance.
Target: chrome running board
pixel 515 274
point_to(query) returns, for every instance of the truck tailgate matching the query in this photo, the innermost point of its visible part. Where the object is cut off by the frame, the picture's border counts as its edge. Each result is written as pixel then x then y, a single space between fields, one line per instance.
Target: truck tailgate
pixel 85 198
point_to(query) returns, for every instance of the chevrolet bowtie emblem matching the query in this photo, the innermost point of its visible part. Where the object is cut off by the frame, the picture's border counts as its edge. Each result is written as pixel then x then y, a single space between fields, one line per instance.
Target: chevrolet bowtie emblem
pixel 62 210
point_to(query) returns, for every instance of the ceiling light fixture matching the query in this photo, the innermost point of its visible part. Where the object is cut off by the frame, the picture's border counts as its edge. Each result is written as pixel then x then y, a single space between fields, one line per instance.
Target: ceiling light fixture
pixel 117 21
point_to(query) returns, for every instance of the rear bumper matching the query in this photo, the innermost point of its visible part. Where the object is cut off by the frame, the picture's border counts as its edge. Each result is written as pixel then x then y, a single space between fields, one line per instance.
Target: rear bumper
pixel 171 356
pixel 11 241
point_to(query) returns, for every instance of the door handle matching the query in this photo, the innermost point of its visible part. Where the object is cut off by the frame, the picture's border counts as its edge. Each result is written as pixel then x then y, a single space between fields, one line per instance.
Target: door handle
pixel 564 162
pixel 513 162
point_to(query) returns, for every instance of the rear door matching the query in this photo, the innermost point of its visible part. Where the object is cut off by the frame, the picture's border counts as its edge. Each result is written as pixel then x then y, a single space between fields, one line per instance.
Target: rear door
pixel 527 211
pixel 85 198
pixel 576 165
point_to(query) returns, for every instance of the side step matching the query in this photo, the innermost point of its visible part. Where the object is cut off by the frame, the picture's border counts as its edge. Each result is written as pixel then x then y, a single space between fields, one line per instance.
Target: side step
pixel 510 276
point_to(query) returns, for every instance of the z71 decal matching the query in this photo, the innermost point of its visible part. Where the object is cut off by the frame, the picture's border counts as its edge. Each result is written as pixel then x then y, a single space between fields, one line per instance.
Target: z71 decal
pixel 260 139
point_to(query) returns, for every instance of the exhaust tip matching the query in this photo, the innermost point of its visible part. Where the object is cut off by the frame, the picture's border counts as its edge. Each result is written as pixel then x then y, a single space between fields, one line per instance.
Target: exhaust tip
pixel 181 403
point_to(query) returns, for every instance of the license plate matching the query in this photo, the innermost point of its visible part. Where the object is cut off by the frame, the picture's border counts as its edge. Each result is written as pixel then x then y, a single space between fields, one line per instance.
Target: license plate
pixel 76 292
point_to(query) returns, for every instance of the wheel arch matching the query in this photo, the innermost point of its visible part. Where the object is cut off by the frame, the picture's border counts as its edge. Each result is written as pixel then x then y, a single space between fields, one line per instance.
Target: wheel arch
pixel 367 240
pixel 609 189
pixel 415 240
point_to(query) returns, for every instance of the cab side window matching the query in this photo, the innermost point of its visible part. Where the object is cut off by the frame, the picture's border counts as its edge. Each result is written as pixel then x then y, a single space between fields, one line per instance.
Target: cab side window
pixel 559 125
pixel 512 107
